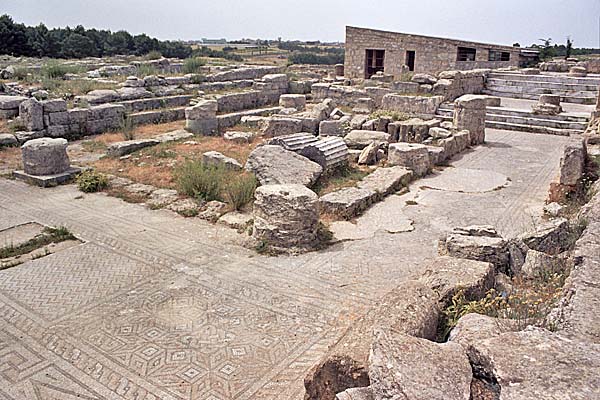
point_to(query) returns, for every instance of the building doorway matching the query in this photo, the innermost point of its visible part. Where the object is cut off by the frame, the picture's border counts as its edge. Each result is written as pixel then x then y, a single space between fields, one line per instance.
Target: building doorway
pixel 374 62
pixel 410 60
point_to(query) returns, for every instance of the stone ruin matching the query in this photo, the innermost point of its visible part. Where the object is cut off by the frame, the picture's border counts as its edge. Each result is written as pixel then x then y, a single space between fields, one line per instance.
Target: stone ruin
pixel 46 163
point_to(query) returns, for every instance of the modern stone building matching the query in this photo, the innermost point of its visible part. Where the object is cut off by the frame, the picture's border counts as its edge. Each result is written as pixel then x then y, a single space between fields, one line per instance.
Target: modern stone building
pixel 369 51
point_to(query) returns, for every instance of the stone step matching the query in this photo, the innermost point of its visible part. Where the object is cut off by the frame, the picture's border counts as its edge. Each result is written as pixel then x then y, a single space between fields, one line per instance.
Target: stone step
pixel 522 127
pixel 538 84
pixel 541 90
pixel 228 120
pixel 564 79
pixel 536 96
pixel 157 116
pixel 156 103
pixel 513 112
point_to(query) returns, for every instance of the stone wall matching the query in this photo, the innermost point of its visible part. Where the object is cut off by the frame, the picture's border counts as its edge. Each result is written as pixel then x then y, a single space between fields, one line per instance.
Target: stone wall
pixel 411 104
pixel 52 118
pixel 432 55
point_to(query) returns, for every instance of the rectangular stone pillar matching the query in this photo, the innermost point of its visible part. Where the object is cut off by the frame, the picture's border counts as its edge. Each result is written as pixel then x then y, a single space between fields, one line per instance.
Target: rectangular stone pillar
pixel 201 118
pixel 469 114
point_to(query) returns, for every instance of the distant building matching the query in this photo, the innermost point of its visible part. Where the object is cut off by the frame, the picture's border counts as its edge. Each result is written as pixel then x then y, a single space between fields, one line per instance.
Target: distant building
pixel 369 51
pixel 214 41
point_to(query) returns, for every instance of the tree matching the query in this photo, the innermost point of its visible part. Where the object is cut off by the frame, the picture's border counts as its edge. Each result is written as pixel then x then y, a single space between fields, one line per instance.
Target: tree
pixel 569 47
pixel 78 46
pixel 546 50
pixel 13 37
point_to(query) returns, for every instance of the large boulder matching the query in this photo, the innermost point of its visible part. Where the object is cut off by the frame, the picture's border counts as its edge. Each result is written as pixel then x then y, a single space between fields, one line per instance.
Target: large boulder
pixel 476 244
pixel 360 139
pixel 411 308
pixel 217 159
pixel 447 275
pixel 406 367
pixel 275 165
pixel 45 156
pixel 286 218
pixel 537 364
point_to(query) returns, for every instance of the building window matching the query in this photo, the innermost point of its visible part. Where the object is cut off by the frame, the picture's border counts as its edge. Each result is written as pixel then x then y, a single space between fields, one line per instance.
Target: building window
pixel 496 55
pixel 466 54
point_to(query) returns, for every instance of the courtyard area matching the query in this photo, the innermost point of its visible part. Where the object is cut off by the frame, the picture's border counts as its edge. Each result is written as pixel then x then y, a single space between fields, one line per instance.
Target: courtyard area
pixel 152 305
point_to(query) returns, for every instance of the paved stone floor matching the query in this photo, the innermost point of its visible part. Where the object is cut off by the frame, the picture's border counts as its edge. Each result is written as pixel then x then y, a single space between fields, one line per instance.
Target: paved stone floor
pixel 155 306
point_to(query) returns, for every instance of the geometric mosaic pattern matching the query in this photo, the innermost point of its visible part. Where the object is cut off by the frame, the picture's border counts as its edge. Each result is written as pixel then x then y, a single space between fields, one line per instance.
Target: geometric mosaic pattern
pixel 153 306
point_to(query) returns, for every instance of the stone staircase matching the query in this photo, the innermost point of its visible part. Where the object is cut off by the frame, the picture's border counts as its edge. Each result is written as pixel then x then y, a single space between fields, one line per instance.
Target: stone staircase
pixel 571 89
pixel 525 121
pixel 156 109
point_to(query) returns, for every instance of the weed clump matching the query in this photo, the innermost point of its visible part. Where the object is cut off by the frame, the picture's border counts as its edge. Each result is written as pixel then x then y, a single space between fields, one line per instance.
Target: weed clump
pixel 90 181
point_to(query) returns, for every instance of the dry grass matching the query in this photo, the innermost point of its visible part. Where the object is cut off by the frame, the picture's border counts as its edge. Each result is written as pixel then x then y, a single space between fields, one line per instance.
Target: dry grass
pixel 10 160
pixel 155 165
pixel 343 178
pixel 139 132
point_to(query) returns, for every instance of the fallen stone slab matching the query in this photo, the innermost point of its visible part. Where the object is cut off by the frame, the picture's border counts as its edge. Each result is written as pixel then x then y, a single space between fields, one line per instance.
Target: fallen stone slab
pixel 275 165
pixel 473 328
pixel 217 159
pixel 120 149
pixel 447 275
pixel 481 248
pixel 347 202
pixel 364 393
pixel 239 137
pixel 552 237
pixel 411 308
pixel 173 136
pixel 406 367
pixel 386 180
pixel 213 210
pixel 537 364
pixel 359 139
pixel 236 220
pixel 162 197
pixel 278 126
pixel 8 139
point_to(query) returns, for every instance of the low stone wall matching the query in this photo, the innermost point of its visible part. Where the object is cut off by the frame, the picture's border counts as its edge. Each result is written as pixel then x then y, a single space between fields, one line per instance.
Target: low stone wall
pixel 51 118
pixel 244 72
pixel 155 103
pixel 411 104
pixel 453 84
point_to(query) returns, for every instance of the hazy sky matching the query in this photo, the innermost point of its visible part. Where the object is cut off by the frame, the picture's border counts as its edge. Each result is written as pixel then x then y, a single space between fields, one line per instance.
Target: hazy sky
pixel 495 21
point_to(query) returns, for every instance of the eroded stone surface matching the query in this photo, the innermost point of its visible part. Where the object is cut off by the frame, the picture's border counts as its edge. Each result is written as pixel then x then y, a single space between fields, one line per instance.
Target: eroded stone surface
pixel 275 165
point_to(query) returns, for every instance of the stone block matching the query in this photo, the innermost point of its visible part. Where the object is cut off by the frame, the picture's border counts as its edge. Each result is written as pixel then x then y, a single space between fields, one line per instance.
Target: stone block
pixel 275 165
pixel 54 106
pixel 347 202
pixel 359 139
pixel 286 217
pixel 45 156
pixel 469 114
pixel 410 155
pixel 31 113
pixel 297 101
pixel 217 159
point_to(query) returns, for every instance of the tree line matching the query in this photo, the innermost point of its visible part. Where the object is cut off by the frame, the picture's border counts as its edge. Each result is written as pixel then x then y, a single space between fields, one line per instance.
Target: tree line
pixel 39 41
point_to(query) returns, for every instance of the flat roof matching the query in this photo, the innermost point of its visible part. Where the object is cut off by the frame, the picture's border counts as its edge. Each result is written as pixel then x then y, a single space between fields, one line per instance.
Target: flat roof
pixel 457 41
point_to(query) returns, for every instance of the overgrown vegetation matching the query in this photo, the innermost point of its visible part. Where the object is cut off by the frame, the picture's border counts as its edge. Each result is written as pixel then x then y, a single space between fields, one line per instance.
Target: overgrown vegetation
pixel 394 115
pixel 209 182
pixel 90 181
pixel 227 53
pixel 48 235
pixel 192 65
pixel 343 177
pixel 239 191
pixel 56 70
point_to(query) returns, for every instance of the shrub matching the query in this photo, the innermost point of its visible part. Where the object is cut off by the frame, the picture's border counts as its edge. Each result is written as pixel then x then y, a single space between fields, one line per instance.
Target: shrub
pixel 20 73
pixel 240 190
pixel 127 129
pixel 54 70
pixel 197 79
pixel 192 65
pixel 153 55
pixel 201 181
pixel 145 70
pixel 90 181
pixel 312 58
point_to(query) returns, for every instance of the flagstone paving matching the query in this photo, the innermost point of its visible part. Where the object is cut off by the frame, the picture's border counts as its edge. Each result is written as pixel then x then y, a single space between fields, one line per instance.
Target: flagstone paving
pixel 155 306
